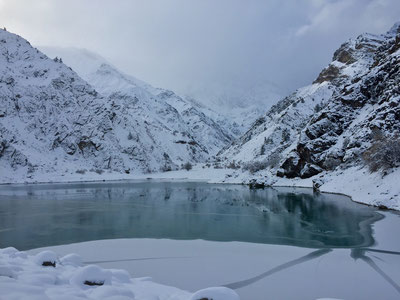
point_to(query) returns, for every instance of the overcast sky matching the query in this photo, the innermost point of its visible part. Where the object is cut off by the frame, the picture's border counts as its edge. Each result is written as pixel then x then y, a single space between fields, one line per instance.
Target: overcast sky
pixel 189 45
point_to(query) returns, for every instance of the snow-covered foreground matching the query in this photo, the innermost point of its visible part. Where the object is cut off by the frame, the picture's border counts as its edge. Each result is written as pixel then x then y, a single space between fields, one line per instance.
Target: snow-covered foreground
pixel 254 271
pixel 47 276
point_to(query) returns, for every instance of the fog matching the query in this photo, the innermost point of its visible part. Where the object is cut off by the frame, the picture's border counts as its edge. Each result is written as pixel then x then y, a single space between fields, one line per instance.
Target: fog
pixel 206 47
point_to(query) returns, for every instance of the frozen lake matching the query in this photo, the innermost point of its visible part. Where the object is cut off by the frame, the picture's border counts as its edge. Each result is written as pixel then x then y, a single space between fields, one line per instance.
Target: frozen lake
pixel 193 235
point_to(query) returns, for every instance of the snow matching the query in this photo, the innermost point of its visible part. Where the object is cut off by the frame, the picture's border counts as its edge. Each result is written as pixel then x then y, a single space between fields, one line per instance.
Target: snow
pixel 45 257
pixel 215 293
pixel 23 276
pixel 92 274
pixel 198 264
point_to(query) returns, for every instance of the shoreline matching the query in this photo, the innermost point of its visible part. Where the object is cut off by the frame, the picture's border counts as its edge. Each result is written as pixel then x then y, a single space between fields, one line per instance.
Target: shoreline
pixel 367 189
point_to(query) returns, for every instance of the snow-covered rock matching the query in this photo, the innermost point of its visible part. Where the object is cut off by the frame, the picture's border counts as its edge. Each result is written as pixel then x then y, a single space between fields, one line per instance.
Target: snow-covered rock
pixel 25 278
pixel 46 258
pixel 71 259
pixel 91 276
pixel 215 293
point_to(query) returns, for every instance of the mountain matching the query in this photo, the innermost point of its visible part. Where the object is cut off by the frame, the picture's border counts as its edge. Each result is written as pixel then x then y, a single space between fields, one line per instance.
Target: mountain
pixel 211 129
pixel 349 117
pixel 53 121
pixel 240 104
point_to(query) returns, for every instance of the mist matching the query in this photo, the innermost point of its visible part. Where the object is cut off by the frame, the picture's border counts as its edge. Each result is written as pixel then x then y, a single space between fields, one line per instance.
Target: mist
pixel 205 48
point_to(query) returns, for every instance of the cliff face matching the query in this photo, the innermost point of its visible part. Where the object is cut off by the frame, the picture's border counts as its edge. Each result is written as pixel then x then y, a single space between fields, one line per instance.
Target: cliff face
pixel 330 124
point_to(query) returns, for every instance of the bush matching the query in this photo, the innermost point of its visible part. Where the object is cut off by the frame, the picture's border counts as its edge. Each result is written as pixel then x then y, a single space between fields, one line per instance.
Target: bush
pixel 384 152
pixel 317 108
pixel 98 171
pixel 166 168
pixel 285 135
pixel 271 161
pixel 81 171
pixel 255 166
pixel 187 166
pixel 233 165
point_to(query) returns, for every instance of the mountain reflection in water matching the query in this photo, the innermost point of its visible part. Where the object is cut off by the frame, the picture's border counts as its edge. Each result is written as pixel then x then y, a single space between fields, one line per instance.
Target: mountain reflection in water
pixel 51 214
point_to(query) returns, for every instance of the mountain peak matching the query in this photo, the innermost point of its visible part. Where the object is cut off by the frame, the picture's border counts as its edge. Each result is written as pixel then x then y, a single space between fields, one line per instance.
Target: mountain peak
pixel 395 29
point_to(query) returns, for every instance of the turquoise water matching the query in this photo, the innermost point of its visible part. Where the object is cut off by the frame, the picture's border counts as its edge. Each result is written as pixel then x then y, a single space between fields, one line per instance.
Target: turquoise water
pixel 33 216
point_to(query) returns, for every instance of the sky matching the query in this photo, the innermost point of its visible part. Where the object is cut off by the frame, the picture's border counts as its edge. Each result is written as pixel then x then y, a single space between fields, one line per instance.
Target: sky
pixel 205 48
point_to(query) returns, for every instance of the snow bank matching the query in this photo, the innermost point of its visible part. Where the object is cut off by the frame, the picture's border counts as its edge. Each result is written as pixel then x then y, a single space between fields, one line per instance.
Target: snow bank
pixel 215 293
pixel 46 276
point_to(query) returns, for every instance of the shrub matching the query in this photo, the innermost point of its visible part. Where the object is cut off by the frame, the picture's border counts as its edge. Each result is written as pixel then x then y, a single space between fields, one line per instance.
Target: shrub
pixel 285 135
pixel 81 171
pixel 255 166
pixel 98 171
pixel 384 152
pixel 271 161
pixel 317 108
pixel 233 165
pixel 166 168
pixel 187 166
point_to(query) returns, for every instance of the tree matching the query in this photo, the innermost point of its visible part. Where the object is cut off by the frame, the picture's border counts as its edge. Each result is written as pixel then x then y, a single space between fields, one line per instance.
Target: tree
pixel 187 166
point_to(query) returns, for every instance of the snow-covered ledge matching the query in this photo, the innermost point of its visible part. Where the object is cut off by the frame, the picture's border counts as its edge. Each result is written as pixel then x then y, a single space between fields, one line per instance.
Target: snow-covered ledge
pixel 47 276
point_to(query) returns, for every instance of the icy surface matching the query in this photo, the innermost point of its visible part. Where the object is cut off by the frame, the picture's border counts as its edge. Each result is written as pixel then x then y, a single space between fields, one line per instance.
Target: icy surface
pixel 255 271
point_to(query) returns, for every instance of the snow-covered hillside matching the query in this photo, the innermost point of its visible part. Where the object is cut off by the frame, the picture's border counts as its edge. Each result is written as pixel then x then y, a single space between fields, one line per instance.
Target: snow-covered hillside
pixel 239 104
pixel 211 129
pixel 348 118
pixel 52 121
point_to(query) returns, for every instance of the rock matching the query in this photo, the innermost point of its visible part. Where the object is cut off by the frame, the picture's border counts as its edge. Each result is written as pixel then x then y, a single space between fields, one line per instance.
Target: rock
pixel 91 276
pixel 310 170
pixel 46 259
pixel 256 184
pixel 317 183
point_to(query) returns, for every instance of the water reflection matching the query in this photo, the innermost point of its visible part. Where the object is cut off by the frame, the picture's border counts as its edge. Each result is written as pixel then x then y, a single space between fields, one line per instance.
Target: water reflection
pixel 42 215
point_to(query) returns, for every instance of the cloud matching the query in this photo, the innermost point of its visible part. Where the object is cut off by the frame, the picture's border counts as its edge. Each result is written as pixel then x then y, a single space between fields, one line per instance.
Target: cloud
pixel 225 46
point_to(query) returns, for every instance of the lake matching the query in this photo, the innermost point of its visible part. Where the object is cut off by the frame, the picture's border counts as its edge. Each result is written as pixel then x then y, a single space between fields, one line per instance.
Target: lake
pixel 194 235
pixel 41 215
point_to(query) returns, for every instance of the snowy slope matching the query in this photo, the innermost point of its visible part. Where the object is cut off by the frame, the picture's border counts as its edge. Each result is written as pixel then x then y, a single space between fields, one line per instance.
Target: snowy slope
pixel 331 126
pixel 52 121
pixel 212 130
pixel 241 104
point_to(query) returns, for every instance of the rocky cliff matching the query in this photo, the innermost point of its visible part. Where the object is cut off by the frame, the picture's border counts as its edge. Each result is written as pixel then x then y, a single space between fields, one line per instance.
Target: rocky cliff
pixel 333 123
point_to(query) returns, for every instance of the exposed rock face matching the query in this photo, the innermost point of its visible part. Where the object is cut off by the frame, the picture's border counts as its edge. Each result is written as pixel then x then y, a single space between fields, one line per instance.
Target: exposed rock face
pixel 328 125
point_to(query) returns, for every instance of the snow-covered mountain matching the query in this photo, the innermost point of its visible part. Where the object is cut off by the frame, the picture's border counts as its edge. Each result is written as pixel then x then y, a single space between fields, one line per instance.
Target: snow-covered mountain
pixel 211 129
pixel 335 123
pixel 239 104
pixel 53 121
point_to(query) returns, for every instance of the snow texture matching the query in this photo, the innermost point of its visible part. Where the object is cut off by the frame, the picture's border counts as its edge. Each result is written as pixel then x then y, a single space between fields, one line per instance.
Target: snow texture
pixel 24 276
